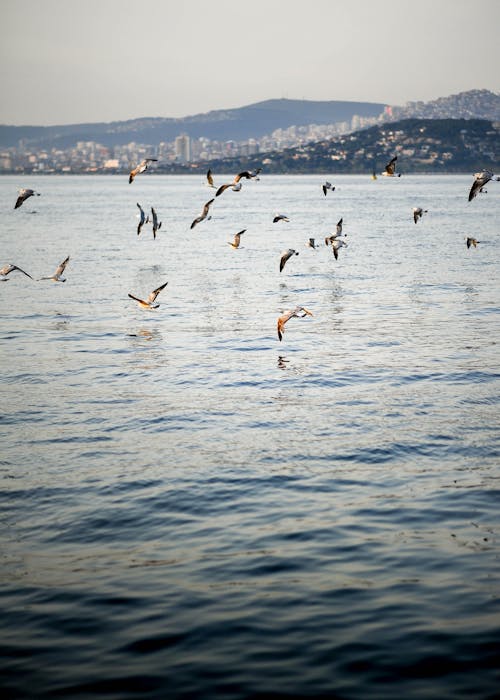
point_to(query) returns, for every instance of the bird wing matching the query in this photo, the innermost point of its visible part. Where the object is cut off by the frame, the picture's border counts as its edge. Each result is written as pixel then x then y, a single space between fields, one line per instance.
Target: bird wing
pixel 391 166
pixel 210 178
pixel 247 175
pixel 206 207
pixel 15 267
pixel 221 189
pixel 155 292
pixel 24 193
pixel 476 186
pixel 324 189
pixel 284 257
pixel 197 221
pixel 339 226
pixel 61 267
pixel 141 301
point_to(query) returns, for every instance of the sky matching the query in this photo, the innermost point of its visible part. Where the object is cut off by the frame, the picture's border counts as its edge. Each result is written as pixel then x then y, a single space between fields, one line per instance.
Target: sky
pixel 69 61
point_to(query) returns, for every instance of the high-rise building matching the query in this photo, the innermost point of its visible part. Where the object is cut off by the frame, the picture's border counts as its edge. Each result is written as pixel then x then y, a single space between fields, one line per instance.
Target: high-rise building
pixel 183 148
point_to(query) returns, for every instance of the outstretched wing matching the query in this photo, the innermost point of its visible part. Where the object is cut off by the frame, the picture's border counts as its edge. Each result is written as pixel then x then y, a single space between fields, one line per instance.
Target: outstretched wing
pixel 61 267
pixel 155 292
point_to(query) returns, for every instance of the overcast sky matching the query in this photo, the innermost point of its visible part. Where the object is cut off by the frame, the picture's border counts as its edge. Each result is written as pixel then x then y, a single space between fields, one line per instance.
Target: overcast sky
pixel 67 61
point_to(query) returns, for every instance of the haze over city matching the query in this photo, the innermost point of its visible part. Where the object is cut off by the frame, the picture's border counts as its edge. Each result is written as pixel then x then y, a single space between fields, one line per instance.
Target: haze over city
pixel 105 61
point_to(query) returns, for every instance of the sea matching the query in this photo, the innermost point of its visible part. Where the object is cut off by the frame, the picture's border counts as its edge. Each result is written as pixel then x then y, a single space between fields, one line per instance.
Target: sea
pixel 193 509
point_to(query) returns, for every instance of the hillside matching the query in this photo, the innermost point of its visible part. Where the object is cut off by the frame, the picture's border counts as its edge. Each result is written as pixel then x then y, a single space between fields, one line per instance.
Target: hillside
pixel 251 121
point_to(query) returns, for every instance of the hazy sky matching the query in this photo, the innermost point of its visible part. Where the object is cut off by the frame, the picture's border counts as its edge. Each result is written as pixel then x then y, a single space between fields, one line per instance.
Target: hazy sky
pixel 67 61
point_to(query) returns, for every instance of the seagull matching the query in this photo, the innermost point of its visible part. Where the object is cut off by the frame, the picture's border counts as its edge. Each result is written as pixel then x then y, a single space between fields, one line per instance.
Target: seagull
pixel 311 244
pixel 338 232
pixel 288 315
pixel 280 217
pixel 327 186
pixel 336 244
pixel 236 242
pixel 285 255
pixel 210 179
pixel 417 213
pixel 255 175
pixel 156 225
pixel 7 269
pixel 23 194
pixel 203 214
pixel 235 184
pixel 56 277
pixel 480 180
pixel 390 168
pixel 143 219
pixel 470 241
pixel 150 301
pixel 143 165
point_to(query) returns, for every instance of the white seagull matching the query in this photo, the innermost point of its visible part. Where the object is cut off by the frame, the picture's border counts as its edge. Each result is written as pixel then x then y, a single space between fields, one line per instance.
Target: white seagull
pixel 210 179
pixel 23 195
pixel 143 165
pixel 480 180
pixel 417 213
pixel 280 217
pixel 390 168
pixel 203 214
pixel 286 255
pixel 7 269
pixel 295 313
pixel 235 184
pixel 236 242
pixel 56 277
pixel 142 220
pixel 150 301
pixel 336 244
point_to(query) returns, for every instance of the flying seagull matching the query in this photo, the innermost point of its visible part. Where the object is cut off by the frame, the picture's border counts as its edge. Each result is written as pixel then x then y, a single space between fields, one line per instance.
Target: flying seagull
pixel 150 301
pixel 327 186
pixel 143 165
pixel 210 179
pixel 472 241
pixel 203 214
pixel 156 225
pixel 417 213
pixel 285 255
pixel 480 180
pixel 311 244
pixel 288 315
pixel 235 184
pixel 56 277
pixel 143 219
pixel 280 217
pixel 338 232
pixel 336 244
pixel 236 242
pixel 390 168
pixel 23 194
pixel 7 269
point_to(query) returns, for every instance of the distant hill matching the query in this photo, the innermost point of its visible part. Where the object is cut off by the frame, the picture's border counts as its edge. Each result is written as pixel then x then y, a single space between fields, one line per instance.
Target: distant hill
pixel 422 145
pixel 241 123
pixel 472 104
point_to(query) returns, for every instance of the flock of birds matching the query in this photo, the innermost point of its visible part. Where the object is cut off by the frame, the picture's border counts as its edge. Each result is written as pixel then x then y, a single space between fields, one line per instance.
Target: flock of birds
pixel 336 240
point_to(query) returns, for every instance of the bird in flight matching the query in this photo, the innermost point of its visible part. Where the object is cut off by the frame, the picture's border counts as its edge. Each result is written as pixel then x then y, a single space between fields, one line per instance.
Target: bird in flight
pixel 7 269
pixel 390 168
pixel 480 180
pixel 142 220
pixel 311 244
pixel 236 242
pixel 23 195
pixel 280 217
pixel 286 255
pixel 143 165
pixel 56 277
pixel 149 303
pixel 327 186
pixel 418 213
pixel 236 183
pixel 156 224
pixel 295 313
pixel 472 241
pixel 210 179
pixel 338 232
pixel 203 214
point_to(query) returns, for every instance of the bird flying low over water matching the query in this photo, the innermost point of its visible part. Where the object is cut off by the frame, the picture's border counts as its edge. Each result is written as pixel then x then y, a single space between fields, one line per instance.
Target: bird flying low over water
pixel 7 269
pixel 288 315
pixel 390 168
pixel 210 179
pixel 56 277
pixel 235 184
pixel 338 232
pixel 472 241
pixel 23 195
pixel 286 255
pixel 336 244
pixel 280 217
pixel 150 301
pixel 311 244
pixel 143 165
pixel 236 242
pixel 156 224
pixel 203 214
pixel 327 186
pixel 480 180
pixel 142 220
pixel 417 213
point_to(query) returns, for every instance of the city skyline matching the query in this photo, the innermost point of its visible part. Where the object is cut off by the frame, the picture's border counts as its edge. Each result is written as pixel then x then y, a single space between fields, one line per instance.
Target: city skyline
pixel 98 62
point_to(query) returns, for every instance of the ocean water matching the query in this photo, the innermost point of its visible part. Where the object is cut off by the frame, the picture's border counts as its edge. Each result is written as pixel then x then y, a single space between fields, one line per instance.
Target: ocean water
pixel 192 509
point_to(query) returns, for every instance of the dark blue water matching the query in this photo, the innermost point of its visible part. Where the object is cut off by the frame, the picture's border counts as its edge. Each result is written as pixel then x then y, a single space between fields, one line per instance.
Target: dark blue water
pixel 192 509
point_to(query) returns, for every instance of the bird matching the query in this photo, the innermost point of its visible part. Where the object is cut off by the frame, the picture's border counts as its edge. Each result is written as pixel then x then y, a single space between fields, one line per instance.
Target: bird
pixel 150 301
pixel 311 244
pixel 23 195
pixel 470 241
pixel 285 255
pixel 7 269
pixel 143 219
pixel 235 184
pixel 390 168
pixel 295 313
pixel 56 277
pixel 156 225
pixel 480 180
pixel 143 165
pixel 203 214
pixel 336 244
pixel 417 213
pixel 255 174
pixel 210 179
pixel 280 217
pixel 338 232
pixel 236 242
pixel 327 186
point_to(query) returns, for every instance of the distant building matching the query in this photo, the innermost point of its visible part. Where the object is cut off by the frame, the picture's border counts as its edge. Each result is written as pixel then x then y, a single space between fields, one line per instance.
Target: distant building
pixel 183 148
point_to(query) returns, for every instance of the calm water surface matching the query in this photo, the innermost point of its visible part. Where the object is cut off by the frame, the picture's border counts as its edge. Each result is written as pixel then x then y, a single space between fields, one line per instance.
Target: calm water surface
pixel 191 509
